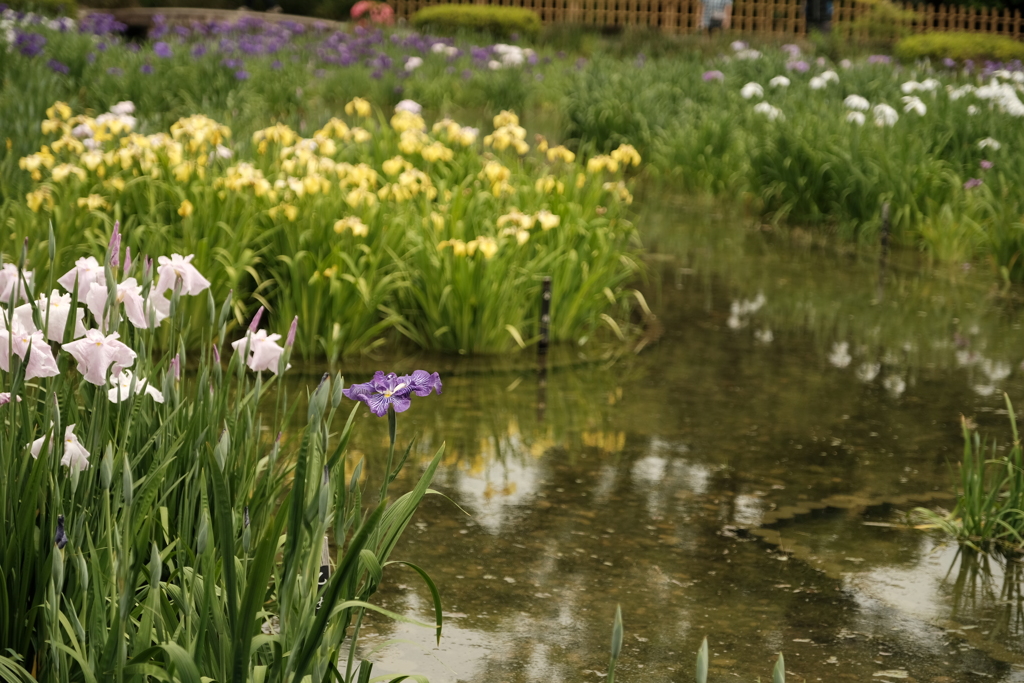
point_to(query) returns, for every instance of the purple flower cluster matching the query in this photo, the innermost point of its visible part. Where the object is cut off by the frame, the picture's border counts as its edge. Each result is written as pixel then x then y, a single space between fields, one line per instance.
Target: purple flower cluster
pixel 29 44
pixel 390 390
pixel 58 67
pixel 99 24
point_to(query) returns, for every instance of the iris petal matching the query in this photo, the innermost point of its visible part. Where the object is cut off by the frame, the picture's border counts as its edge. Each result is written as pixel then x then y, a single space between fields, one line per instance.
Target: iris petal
pixel 379 404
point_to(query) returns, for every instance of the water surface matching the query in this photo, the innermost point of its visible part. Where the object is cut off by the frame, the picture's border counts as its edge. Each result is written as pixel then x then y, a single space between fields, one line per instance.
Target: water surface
pixel 746 478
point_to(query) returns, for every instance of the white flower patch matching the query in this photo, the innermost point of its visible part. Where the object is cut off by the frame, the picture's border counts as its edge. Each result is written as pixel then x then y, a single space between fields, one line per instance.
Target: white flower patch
pixel 885 116
pixel 856 117
pixel 857 102
pixel 914 104
pixel 773 113
pixel 751 90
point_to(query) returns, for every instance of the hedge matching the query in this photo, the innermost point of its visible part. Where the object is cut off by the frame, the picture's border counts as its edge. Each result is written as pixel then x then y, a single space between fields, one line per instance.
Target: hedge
pixel 501 22
pixel 959 46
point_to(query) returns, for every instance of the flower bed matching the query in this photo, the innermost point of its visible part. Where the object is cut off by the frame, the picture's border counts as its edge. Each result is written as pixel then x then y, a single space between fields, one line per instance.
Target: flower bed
pixel 441 234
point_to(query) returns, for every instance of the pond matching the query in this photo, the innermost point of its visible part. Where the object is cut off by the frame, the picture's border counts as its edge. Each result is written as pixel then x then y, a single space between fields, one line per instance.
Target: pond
pixel 746 477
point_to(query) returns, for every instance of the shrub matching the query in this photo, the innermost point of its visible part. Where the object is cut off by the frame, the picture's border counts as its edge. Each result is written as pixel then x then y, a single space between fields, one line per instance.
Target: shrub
pixel 959 46
pixel 498 21
pixel 883 25
pixel 67 8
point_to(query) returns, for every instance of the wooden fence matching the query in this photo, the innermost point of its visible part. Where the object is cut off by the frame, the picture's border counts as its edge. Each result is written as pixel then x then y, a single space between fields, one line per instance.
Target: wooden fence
pixel 782 18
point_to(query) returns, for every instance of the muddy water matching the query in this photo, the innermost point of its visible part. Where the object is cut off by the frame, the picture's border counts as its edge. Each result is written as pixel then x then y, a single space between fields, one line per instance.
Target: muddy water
pixel 746 478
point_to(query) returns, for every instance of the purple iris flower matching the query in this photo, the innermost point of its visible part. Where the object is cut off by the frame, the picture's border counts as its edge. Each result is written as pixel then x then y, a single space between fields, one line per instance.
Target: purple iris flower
pixel 242 75
pixel 58 67
pixel 800 66
pixel 198 51
pixel 972 183
pixel 949 63
pixel 879 59
pixel 146 68
pixel 987 164
pixel 162 49
pixel 30 44
pixel 391 390
pixel 713 76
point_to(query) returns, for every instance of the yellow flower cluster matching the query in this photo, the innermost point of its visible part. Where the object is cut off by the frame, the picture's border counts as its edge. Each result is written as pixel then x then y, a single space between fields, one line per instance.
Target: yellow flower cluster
pixel 93 202
pixel 353 225
pixel 404 120
pixel 626 155
pixel 549 184
pixel 517 224
pixel 497 175
pixel 410 184
pixel 412 141
pixel 508 136
pixel 435 152
pixel 487 246
pixel 278 133
pixel 507 133
pixel 456 134
pixel 602 162
pixel 199 132
pixel 357 175
pixel 623 154
pixel 288 175
pixel 245 176
pixel 620 191
pixel 359 107
pixel 560 153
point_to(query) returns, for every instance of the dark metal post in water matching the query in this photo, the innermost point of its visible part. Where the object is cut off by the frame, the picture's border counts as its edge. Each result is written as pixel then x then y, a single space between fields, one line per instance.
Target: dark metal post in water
pixel 545 315
pixel 883 256
pixel 542 347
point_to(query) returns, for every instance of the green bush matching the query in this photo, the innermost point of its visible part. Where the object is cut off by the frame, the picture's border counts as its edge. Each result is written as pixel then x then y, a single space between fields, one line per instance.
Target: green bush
pixel 883 25
pixel 67 8
pixel 959 46
pixel 498 21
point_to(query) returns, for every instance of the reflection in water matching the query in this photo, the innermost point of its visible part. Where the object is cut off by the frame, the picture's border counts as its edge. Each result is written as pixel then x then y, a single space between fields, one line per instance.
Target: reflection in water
pixel 782 385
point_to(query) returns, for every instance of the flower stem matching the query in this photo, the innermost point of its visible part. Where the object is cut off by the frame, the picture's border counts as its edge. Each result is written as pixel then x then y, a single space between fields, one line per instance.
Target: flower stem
pixel 392 430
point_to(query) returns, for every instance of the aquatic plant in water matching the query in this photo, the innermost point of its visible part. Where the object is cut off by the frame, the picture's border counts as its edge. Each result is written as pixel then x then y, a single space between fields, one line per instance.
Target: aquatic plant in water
pixel 989 510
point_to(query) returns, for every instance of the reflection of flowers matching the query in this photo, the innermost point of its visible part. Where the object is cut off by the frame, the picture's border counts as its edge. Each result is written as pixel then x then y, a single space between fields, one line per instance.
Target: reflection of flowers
pixel 391 390
pixel 895 385
pixel 868 371
pixel 840 356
